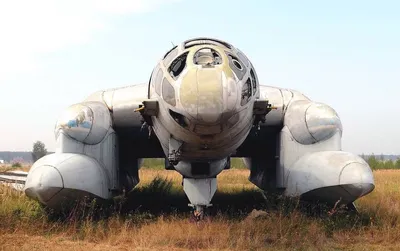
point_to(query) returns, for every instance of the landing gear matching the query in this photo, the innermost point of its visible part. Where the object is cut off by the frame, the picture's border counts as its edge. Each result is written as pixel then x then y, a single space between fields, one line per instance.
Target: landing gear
pixel 200 193
pixel 199 211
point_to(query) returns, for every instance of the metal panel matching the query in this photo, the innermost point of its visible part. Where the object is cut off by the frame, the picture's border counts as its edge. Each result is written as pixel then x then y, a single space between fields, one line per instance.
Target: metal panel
pixel 200 191
pixel 347 176
pixel 124 103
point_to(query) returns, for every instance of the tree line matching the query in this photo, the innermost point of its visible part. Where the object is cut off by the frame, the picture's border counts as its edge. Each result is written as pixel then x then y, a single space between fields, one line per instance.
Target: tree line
pixel 377 163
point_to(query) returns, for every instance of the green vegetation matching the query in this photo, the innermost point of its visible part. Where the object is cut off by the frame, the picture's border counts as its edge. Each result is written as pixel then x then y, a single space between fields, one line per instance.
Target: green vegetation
pixel 236 163
pixel 38 150
pixel 379 163
pixel 376 163
pixel 16 165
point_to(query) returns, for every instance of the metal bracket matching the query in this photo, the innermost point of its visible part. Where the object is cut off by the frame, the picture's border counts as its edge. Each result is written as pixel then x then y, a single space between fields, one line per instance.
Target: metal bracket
pixel 148 109
pixel 174 151
pixel 260 109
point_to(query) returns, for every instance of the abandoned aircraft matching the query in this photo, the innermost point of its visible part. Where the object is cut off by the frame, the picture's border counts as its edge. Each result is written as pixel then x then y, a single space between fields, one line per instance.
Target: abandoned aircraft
pixel 202 106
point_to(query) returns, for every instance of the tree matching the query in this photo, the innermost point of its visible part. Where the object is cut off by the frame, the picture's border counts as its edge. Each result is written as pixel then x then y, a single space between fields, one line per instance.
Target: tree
pixel 389 164
pixel 39 150
pixel 397 164
pixel 373 162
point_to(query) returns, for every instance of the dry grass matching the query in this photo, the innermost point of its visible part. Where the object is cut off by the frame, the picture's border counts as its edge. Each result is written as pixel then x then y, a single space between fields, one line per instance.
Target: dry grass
pixel 156 216
pixel 8 167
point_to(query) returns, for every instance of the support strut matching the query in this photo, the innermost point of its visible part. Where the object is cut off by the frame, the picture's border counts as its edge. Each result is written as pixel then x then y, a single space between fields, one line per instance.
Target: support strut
pixel 200 193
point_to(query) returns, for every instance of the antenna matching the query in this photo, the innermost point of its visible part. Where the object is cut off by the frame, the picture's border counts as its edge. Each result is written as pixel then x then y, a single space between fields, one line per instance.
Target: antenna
pixel 172 44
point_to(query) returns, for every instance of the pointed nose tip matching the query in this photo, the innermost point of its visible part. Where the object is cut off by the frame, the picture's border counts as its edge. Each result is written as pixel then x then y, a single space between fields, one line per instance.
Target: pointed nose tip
pixel 43 182
pixel 358 190
pixel 357 179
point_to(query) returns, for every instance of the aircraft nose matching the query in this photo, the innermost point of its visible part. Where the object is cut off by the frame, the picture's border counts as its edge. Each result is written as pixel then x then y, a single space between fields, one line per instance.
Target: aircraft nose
pixel 357 179
pixel 201 94
pixel 43 183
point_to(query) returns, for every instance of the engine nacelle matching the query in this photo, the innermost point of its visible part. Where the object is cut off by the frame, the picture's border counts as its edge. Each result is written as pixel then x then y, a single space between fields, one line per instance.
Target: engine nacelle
pixel 329 176
pixel 86 122
pixel 57 179
pixel 311 122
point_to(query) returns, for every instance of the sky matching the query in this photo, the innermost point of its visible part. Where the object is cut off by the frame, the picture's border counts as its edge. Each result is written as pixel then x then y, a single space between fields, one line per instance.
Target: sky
pixel 342 53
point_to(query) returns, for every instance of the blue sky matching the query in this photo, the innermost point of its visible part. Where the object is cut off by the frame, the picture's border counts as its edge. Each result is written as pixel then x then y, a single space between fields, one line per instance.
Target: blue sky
pixel 343 53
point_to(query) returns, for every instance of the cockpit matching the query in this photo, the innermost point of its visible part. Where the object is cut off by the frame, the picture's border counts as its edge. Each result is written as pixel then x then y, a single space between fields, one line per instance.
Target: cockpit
pixel 204 80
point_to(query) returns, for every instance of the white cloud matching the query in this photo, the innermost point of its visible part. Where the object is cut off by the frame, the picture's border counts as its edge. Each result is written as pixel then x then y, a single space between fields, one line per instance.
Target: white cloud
pixel 29 28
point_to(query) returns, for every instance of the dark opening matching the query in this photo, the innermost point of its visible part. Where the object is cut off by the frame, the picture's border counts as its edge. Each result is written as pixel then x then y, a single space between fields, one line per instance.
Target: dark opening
pixel 246 92
pixel 236 65
pixel 178 65
pixel 253 81
pixel 200 168
pixel 207 57
pixel 170 55
pixel 179 118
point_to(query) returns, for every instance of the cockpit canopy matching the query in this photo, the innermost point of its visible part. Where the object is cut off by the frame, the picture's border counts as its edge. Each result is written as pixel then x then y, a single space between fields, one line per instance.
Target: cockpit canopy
pixel 196 55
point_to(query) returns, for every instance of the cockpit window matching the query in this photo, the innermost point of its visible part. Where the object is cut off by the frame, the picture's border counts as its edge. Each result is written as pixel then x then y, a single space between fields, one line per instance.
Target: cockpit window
pixel 178 65
pixel 207 57
pixel 202 41
pixel 158 81
pixel 253 81
pixel 168 92
pixel 246 92
pixel 170 55
pixel 237 66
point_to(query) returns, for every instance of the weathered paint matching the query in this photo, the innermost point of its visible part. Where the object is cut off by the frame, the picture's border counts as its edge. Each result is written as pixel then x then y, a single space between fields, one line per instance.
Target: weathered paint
pixel 308 145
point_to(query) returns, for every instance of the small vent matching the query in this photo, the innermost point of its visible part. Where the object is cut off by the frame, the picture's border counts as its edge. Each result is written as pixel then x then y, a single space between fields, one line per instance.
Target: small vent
pixel 180 119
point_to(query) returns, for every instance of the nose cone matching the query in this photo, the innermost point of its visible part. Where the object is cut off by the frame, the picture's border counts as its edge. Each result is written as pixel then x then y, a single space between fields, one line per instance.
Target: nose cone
pixel 357 179
pixel 43 183
pixel 207 93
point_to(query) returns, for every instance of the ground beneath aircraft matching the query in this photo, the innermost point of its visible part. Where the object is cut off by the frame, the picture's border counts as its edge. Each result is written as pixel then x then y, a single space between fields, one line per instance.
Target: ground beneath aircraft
pixel 156 217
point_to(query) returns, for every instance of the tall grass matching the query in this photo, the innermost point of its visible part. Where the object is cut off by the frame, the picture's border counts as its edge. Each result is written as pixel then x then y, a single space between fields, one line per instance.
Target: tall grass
pixel 155 216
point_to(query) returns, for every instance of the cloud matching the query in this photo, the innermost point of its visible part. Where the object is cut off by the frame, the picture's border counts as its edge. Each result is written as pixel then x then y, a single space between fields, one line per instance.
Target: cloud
pixel 30 28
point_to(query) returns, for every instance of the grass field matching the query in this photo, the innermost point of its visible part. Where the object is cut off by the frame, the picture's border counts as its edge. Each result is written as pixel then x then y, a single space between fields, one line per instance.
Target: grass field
pixel 156 217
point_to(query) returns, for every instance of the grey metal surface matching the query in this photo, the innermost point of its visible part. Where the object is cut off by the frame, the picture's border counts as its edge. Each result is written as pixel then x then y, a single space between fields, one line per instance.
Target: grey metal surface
pixel 201 95
pixel 122 103
pixel 335 169
pixel 200 191
pixel 208 98
pixel 55 172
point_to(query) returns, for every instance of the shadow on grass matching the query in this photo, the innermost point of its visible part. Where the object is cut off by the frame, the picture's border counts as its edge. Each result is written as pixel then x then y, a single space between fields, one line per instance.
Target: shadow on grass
pixel 160 197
